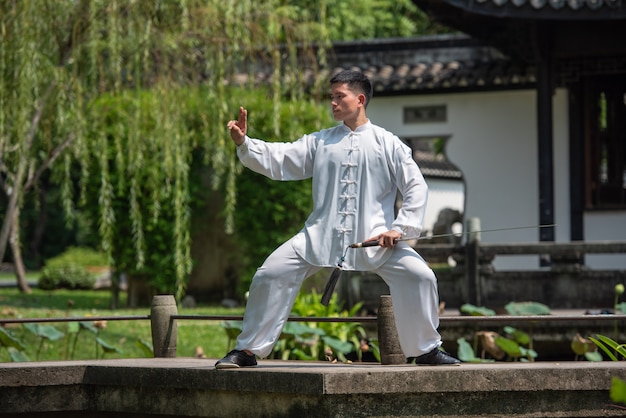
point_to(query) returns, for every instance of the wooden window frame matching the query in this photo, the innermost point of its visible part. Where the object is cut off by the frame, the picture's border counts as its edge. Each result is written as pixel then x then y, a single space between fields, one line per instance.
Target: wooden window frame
pixel 605 142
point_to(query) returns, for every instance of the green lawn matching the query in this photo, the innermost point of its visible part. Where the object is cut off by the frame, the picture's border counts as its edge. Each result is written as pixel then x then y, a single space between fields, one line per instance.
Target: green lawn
pixel 121 336
pixel 10 277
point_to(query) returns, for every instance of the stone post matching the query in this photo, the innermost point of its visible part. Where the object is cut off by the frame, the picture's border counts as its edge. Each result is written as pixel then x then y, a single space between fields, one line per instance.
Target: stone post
pixel 163 326
pixel 472 262
pixel 388 341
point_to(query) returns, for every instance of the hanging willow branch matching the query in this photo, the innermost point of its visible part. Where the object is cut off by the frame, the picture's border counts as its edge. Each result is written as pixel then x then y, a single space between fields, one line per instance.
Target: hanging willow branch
pixel 125 76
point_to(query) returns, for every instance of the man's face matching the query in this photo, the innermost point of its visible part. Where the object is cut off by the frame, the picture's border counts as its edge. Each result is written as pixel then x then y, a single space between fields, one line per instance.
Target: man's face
pixel 344 102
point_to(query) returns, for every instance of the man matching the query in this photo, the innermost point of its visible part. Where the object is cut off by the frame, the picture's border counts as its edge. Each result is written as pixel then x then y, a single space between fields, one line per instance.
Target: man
pixel 357 168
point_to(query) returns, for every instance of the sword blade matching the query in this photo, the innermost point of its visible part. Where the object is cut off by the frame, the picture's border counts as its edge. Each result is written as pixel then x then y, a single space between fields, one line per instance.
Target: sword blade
pixel 375 243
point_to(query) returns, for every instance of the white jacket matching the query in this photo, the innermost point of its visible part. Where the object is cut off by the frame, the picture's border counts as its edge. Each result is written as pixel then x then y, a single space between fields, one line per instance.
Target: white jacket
pixel 356 176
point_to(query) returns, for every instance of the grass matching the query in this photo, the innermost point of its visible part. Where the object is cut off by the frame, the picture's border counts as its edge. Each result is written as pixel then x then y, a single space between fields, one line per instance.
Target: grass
pixel 10 277
pixel 121 335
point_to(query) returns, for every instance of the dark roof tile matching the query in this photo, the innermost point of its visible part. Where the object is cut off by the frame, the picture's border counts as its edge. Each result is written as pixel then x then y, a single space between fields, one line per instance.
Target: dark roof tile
pixel 432 165
pixel 556 4
pixel 414 65
pixel 461 75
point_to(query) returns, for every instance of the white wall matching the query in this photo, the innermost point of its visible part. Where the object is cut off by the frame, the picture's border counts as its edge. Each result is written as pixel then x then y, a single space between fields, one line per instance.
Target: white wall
pixel 603 226
pixel 442 194
pixel 493 140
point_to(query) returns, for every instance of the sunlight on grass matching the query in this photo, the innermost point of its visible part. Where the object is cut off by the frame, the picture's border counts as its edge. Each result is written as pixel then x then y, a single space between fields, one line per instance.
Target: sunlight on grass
pixel 120 334
pixel 10 277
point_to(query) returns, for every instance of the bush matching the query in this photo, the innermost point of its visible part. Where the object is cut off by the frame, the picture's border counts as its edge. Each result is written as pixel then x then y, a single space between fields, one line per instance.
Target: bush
pixel 70 269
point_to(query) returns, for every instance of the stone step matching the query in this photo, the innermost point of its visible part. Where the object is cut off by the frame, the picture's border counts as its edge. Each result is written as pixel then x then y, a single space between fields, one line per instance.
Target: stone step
pixel 187 387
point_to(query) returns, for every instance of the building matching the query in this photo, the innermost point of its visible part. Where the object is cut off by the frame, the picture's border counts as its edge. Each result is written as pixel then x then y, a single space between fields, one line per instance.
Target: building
pixel 530 107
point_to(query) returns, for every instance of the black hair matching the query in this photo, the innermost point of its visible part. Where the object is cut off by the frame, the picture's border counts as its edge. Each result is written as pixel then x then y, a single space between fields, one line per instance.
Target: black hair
pixel 356 81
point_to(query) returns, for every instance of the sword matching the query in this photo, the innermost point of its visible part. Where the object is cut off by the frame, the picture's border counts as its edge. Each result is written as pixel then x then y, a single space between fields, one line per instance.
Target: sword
pixel 334 277
pixel 374 243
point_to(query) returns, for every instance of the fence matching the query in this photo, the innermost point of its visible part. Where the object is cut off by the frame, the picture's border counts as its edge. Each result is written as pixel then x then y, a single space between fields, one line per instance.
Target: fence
pixel 566 284
pixel 164 316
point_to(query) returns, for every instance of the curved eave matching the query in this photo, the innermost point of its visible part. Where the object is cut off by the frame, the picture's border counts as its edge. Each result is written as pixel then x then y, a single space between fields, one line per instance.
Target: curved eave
pixel 547 10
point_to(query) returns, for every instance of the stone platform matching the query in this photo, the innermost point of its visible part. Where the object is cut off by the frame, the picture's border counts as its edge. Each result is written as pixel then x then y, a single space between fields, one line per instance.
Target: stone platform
pixel 187 387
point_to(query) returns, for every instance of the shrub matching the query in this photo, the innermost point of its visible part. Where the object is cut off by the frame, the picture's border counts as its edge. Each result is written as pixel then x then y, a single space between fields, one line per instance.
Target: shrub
pixel 69 270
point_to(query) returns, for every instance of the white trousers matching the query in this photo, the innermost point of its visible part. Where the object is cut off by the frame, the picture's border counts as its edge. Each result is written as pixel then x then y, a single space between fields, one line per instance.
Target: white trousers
pixel 276 284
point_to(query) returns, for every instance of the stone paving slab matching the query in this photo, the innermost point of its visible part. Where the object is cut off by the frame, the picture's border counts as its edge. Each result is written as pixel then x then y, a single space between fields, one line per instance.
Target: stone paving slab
pixel 193 387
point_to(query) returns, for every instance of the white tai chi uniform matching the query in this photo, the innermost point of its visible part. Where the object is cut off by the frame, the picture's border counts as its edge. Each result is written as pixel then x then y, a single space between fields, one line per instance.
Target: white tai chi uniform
pixel 356 176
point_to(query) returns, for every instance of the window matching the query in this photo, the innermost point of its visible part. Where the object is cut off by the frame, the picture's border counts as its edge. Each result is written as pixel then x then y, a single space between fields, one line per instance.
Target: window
pixel 605 143
pixel 424 114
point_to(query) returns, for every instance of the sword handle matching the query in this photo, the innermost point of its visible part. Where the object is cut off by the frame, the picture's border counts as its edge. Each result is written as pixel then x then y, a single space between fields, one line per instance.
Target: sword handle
pixel 373 243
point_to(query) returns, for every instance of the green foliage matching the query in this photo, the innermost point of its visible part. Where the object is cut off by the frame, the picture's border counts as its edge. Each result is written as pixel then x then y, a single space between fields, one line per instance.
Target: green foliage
pixel 45 208
pixel 145 347
pixel 616 352
pixel 70 269
pixel 75 328
pixel 81 92
pixel 469 309
pixel 17 356
pixel 80 337
pixel 112 111
pixel 44 333
pixel 47 334
pixel 466 353
pixel 585 347
pixel 516 344
pixel 365 19
pixel 593 356
pixel 611 348
pixel 330 340
pixel 60 301
pixel 517 335
pixel 70 276
pixel 618 390
pixel 7 339
pixel 527 308
pixel 145 244
pixel 315 340
pixel 106 347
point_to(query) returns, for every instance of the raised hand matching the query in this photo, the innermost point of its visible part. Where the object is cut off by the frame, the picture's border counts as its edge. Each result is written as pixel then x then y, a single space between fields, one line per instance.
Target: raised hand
pixel 239 127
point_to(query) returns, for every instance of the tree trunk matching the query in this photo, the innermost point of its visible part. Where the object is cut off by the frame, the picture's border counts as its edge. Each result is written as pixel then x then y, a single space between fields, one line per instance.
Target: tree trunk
pixel 115 289
pixel 9 216
pixel 14 240
pixel 139 292
pixel 40 226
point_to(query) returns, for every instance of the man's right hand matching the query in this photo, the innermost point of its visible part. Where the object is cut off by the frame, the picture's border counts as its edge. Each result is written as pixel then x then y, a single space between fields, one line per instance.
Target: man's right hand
pixel 238 127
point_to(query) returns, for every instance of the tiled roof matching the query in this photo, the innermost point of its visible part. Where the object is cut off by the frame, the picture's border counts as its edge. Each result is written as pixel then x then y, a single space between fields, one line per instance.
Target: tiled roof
pixel 555 10
pixel 432 64
pixel 420 65
pixel 557 4
pixel 449 76
pixel 436 166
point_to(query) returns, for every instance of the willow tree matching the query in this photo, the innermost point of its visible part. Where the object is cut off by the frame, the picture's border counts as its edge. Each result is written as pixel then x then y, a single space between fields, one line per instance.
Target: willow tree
pixel 63 62
pixel 59 59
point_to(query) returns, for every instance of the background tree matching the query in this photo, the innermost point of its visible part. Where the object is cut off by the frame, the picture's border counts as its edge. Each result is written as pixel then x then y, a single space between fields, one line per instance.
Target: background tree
pixel 95 102
pixel 60 59
pixel 366 19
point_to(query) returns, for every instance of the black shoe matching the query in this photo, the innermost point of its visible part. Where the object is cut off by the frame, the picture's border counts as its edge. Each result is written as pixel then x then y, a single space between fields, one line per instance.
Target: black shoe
pixel 236 359
pixel 434 358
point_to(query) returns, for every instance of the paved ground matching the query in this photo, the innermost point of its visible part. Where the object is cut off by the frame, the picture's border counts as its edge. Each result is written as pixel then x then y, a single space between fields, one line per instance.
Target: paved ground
pixel 193 387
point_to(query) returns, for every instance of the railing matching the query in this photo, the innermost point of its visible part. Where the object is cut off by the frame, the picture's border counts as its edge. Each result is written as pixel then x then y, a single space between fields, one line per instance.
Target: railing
pixel 567 283
pixel 72 319
pixel 164 316
pixel 444 320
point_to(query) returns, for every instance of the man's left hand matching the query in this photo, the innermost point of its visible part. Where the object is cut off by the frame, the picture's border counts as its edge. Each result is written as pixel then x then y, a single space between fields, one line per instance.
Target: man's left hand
pixel 387 239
